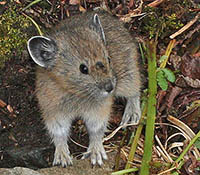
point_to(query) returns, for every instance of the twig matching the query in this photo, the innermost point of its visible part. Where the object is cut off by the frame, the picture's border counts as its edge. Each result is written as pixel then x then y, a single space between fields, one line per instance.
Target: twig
pixel 134 13
pixel 188 25
pixel 174 135
pixel 161 153
pixel 2 104
pixel 116 130
pixel 78 143
pixel 155 3
pixel 169 159
pixel 183 126
pixel 175 145
pixel 167 171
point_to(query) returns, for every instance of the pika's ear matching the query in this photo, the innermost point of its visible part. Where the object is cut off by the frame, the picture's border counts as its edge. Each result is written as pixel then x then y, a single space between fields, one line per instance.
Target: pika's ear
pixel 95 24
pixel 42 50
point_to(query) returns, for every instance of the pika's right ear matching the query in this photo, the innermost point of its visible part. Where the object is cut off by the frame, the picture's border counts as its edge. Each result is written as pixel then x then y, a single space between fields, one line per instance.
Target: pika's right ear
pixel 42 50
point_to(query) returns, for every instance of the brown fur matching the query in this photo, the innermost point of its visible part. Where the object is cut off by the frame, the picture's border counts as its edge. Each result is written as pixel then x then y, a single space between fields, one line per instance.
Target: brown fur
pixel 64 93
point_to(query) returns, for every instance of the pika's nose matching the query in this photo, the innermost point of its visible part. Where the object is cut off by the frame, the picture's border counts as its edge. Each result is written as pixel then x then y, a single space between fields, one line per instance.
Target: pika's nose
pixel 108 86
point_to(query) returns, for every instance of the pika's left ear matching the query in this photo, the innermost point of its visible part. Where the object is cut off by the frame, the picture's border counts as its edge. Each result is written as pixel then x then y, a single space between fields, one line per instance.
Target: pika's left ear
pixel 95 24
pixel 42 50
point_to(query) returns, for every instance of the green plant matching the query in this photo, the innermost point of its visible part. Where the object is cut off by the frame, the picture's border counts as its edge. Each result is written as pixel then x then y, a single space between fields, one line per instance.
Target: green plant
pixel 163 75
pixel 159 23
pixel 13 33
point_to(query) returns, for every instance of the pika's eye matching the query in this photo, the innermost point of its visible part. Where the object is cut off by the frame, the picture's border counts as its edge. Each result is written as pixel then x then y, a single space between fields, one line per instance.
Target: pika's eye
pixel 83 68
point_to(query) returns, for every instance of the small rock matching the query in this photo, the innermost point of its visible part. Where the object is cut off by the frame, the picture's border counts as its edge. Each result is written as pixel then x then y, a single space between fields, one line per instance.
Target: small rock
pixel 18 171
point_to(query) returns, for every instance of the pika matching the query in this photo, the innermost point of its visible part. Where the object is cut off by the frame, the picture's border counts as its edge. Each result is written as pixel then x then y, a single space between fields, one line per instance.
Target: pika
pixel 84 63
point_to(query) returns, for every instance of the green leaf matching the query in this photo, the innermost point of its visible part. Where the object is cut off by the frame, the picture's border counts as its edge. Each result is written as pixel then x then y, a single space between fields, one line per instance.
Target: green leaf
pixel 197 143
pixel 161 79
pixel 169 75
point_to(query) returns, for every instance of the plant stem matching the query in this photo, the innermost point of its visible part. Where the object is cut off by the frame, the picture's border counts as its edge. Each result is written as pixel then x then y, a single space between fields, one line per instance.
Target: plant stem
pixel 32 3
pixel 125 171
pixel 36 25
pixel 151 108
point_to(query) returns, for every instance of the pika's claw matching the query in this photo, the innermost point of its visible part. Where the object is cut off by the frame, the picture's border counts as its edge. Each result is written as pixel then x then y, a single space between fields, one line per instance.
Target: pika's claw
pixel 96 153
pixel 62 156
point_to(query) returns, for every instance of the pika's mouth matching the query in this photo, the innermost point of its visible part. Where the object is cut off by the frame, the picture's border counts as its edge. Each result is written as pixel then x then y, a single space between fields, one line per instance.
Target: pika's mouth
pixel 105 93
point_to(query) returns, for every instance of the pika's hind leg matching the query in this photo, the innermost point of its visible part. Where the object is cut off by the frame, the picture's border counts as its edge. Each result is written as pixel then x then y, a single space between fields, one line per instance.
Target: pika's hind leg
pixel 132 112
pixel 96 122
pixel 95 151
pixel 59 128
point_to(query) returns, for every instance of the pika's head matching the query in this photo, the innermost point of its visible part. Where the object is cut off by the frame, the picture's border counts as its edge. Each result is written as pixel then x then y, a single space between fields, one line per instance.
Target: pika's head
pixel 76 58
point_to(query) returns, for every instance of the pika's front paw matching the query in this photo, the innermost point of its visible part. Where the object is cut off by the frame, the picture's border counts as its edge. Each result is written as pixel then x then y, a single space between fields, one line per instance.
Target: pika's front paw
pixel 132 111
pixel 62 156
pixel 130 116
pixel 96 153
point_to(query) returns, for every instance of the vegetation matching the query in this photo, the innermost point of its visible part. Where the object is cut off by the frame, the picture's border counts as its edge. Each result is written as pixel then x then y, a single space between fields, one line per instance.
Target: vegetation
pixel 13 33
pixel 158 24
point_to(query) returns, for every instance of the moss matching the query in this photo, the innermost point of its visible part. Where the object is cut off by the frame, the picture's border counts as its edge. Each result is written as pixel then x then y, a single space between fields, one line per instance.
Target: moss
pixel 13 33
pixel 156 23
pixel 166 19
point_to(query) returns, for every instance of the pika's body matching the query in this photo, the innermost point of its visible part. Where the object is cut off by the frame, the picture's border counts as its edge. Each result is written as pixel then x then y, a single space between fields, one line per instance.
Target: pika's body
pixel 83 64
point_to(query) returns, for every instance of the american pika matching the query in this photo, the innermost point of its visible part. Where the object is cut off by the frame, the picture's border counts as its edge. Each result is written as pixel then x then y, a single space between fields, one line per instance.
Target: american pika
pixel 83 63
